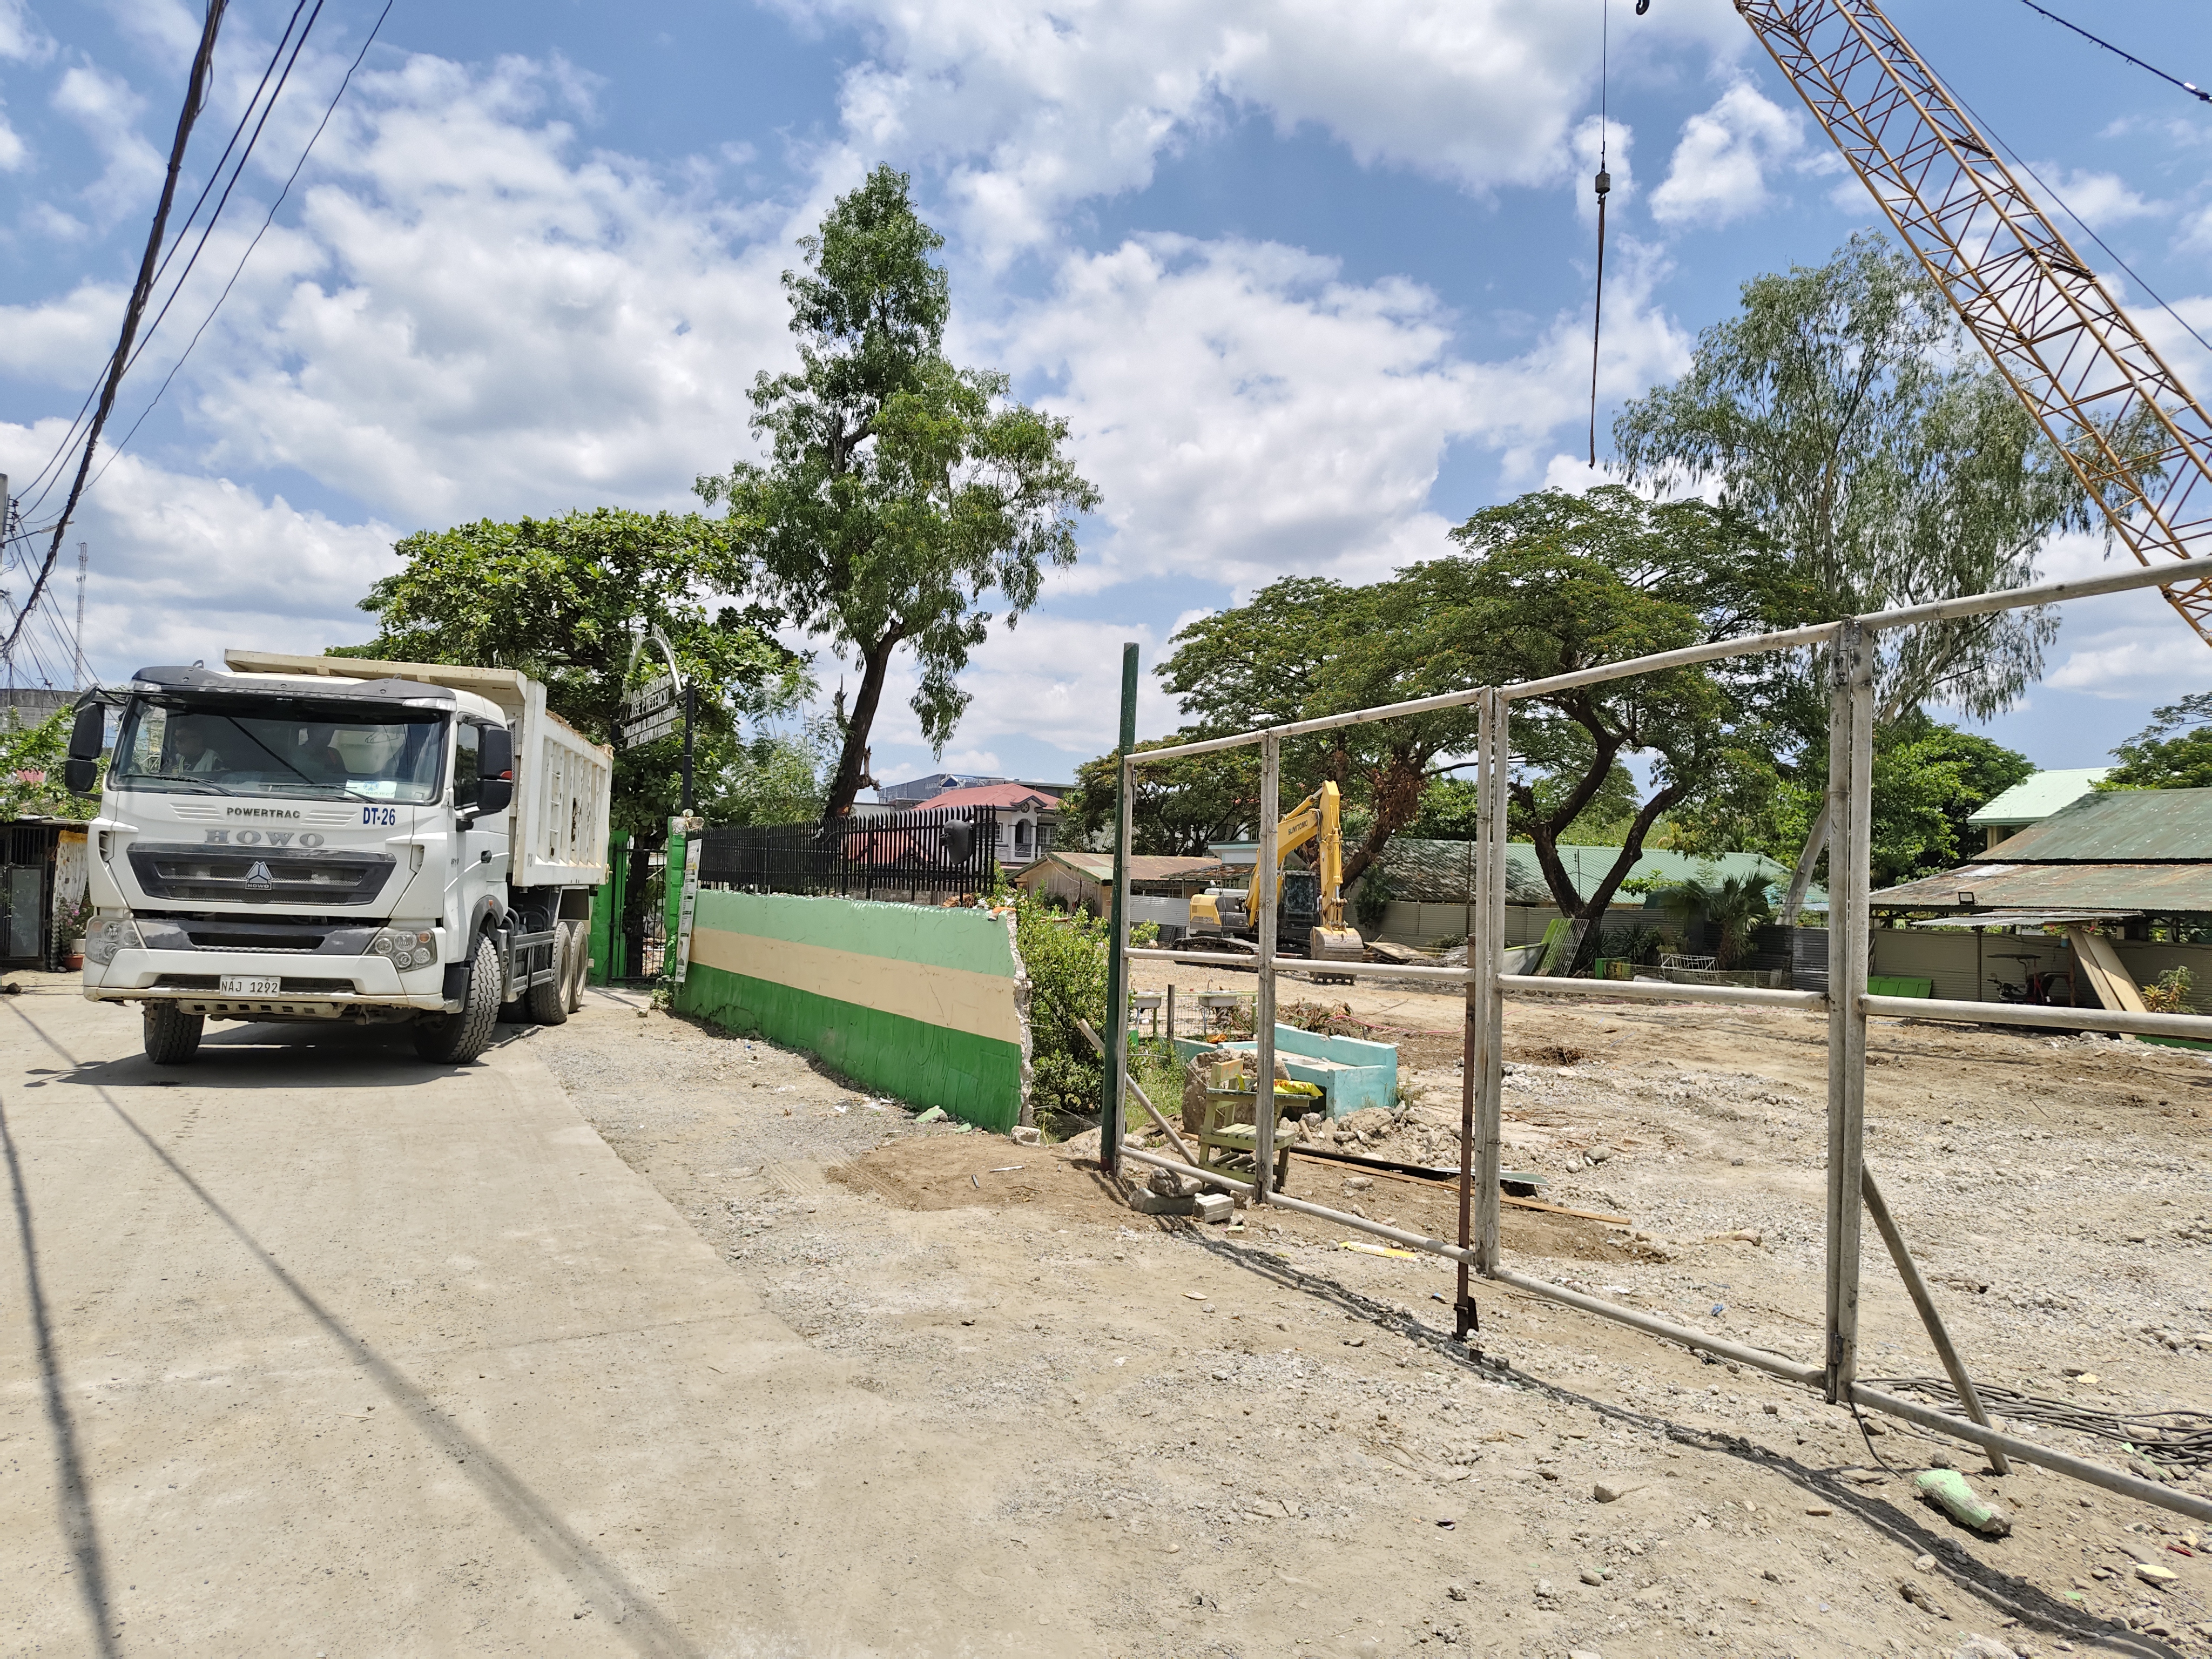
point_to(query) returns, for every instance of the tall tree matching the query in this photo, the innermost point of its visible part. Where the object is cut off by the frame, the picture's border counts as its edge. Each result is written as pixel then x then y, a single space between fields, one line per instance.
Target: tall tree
pixel 1843 409
pixel 900 491
pixel 1553 583
pixel 562 600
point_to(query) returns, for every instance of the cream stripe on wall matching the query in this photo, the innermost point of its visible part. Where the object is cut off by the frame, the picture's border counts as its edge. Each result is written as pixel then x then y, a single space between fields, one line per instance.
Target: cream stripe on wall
pixel 980 1005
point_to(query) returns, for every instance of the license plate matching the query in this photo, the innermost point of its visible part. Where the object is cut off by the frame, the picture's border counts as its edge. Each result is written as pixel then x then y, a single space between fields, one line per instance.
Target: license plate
pixel 238 984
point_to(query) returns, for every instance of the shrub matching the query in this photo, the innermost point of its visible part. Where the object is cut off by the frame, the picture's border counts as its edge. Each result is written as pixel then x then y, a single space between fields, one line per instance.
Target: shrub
pixel 2169 993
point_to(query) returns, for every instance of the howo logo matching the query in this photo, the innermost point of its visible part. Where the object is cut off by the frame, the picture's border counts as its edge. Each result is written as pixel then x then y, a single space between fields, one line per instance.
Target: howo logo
pixel 258 876
pixel 255 837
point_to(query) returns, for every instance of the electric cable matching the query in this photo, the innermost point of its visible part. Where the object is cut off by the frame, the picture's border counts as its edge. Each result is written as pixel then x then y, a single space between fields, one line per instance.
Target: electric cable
pixel 195 96
pixel 69 437
pixel 267 220
pixel 2179 1439
pixel 2189 86
pixel 1604 188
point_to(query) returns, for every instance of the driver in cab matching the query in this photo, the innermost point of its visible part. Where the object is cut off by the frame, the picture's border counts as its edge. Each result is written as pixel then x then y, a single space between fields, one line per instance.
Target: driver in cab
pixel 190 755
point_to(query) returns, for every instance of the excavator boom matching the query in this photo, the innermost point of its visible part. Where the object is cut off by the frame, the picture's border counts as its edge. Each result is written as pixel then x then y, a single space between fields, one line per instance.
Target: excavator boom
pixel 2133 434
pixel 1319 816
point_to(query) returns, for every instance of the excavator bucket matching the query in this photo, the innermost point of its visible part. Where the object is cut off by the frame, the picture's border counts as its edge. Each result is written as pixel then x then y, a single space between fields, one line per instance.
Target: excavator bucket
pixel 1336 945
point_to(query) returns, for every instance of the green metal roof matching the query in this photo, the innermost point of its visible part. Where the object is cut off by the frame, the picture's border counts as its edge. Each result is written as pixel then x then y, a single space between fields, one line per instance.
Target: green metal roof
pixel 2158 889
pixel 2130 826
pixel 2032 799
pixel 1435 871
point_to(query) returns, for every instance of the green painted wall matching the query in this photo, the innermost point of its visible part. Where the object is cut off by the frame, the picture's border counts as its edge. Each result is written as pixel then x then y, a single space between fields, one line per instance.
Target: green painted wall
pixel 978 1079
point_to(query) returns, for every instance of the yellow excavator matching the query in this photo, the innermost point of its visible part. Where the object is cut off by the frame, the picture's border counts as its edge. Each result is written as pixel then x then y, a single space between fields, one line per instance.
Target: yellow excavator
pixel 1308 903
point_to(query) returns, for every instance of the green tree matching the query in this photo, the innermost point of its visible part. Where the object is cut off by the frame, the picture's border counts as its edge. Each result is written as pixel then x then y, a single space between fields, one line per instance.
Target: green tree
pixel 900 491
pixel 562 598
pixel 1554 583
pixel 1182 807
pixel 1844 410
pixel 31 759
pixel 2174 752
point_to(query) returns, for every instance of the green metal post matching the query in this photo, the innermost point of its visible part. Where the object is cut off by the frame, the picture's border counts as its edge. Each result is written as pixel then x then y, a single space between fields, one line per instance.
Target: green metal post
pixel 1117 968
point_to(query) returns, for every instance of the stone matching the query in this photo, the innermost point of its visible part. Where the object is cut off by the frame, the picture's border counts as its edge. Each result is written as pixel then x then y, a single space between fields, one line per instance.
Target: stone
pixel 1150 1203
pixel 1592 1575
pixel 2157 1577
pixel 1924 1563
pixel 1599 1153
pixel 1455 1592
pixel 1605 1493
pixel 1544 1590
pixel 1983 1647
pixel 1920 1598
pixel 1214 1207
pixel 1027 1134
pixel 1582 1653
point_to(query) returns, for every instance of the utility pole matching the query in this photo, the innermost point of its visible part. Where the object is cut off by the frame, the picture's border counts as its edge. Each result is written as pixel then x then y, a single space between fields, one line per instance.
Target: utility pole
pixel 84 558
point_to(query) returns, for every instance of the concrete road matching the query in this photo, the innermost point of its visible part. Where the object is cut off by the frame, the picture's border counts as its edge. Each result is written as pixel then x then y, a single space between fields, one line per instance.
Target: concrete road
pixel 312 1348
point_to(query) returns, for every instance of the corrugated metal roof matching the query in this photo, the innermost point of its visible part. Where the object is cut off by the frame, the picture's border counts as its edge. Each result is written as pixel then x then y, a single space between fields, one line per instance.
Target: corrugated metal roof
pixel 2131 826
pixel 2033 800
pixel 1143 866
pixel 2154 889
pixel 1435 871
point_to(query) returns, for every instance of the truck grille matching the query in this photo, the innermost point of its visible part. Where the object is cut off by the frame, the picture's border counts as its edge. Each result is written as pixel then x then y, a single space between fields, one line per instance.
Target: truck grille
pixel 257 875
pixel 293 937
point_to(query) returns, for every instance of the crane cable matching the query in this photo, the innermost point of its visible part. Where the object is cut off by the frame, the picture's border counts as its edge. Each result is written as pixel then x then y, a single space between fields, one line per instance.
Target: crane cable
pixel 2189 86
pixel 1604 188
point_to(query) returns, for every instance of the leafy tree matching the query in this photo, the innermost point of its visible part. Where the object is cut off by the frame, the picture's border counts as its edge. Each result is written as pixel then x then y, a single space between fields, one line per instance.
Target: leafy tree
pixel 1927 780
pixel 1303 647
pixel 900 491
pixel 562 600
pixel 31 759
pixel 1553 583
pixel 1734 906
pixel 2174 752
pixel 1181 807
pixel 1843 409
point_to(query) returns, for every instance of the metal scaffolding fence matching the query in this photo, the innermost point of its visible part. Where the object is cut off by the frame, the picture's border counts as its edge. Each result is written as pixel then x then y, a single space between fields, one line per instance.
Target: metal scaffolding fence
pixel 1851 1192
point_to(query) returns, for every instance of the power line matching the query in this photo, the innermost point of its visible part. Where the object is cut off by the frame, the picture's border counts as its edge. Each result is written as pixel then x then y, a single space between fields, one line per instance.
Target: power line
pixel 69 437
pixel 195 96
pixel 2190 88
pixel 267 220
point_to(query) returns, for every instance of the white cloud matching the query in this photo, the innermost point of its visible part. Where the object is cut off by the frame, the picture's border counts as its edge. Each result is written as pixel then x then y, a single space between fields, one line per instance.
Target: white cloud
pixel 1719 173
pixel 2100 199
pixel 107 110
pixel 20 37
pixel 1247 414
pixel 184 565
pixel 471 318
pixel 13 151
pixel 65 341
pixel 2121 646
pixel 1032 106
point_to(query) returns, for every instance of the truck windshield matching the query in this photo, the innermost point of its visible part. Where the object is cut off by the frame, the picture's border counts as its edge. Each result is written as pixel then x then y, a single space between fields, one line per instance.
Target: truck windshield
pixel 235 745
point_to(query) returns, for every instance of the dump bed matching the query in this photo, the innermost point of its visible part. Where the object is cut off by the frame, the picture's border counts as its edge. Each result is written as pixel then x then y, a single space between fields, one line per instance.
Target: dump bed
pixel 562 779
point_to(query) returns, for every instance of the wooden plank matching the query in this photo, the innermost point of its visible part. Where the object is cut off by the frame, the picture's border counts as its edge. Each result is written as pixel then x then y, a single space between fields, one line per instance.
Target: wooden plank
pixel 2115 986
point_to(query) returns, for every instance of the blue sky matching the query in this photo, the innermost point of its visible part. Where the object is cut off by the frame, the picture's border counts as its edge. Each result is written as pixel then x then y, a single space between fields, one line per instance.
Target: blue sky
pixel 1310 282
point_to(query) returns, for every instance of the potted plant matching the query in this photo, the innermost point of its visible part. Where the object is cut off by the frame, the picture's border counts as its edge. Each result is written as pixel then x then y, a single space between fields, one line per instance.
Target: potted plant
pixel 72 922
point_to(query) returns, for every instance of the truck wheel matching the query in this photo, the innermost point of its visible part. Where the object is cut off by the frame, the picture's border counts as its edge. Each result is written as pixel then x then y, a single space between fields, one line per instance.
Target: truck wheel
pixel 548 1004
pixel 579 963
pixel 172 1036
pixel 456 1039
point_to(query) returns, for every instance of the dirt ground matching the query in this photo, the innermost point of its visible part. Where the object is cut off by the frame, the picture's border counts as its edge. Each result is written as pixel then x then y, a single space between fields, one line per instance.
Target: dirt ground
pixel 1275 1446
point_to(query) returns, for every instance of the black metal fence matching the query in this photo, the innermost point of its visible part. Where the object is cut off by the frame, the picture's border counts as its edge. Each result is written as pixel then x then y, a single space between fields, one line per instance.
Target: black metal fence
pixel 916 856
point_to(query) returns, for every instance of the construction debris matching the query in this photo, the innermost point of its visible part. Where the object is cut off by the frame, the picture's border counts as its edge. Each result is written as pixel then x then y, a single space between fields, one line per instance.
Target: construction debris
pixel 1947 1489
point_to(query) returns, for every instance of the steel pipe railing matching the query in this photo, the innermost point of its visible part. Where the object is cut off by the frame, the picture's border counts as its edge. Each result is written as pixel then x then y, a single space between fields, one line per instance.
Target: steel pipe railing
pixel 2021 1014
pixel 1653 990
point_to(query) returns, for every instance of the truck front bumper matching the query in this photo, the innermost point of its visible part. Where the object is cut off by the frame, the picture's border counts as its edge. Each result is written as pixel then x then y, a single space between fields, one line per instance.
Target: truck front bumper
pixel 312 986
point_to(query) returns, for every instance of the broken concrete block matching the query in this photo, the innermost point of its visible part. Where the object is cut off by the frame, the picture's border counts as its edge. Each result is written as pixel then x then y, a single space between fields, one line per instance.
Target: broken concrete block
pixel 1214 1207
pixel 1151 1203
pixel 1026 1135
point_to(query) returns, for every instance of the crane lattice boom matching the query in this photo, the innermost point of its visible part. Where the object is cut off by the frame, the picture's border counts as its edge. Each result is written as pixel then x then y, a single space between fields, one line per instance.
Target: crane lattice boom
pixel 2134 436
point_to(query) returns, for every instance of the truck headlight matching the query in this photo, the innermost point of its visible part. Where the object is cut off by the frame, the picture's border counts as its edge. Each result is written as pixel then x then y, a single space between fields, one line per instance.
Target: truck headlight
pixel 408 947
pixel 110 934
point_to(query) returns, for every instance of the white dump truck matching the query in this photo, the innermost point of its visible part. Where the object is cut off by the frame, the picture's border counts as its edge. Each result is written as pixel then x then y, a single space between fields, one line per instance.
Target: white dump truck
pixel 330 838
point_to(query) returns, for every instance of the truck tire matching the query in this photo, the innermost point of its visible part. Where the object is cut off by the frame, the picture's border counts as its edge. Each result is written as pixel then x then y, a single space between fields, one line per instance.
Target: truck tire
pixel 172 1036
pixel 548 1004
pixel 579 963
pixel 456 1039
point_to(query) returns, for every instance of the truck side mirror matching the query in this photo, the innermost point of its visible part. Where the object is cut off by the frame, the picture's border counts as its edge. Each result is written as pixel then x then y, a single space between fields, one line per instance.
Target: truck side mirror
pixel 90 733
pixel 80 775
pixel 495 768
